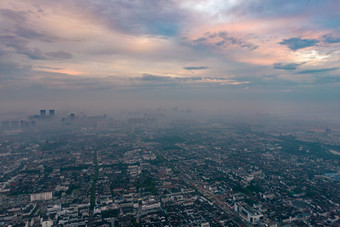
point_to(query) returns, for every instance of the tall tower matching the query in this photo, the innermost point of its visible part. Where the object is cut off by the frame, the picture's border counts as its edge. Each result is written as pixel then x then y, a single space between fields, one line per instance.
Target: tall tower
pixel 51 112
pixel 42 113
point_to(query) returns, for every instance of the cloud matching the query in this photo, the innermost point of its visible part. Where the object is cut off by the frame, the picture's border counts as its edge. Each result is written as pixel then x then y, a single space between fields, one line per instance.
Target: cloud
pixel 38 8
pixel 60 54
pixel 46 67
pixel 16 16
pixel 34 54
pixel 223 39
pixel 290 66
pixel 328 79
pixel 330 39
pixel 19 24
pixel 201 39
pixel 65 82
pixel 297 43
pixel 149 77
pixel 312 71
pixel 181 81
pixel 195 67
pixel 20 46
pixel 153 17
pixel 14 75
pixel 268 9
pixel 27 33
pixel 12 41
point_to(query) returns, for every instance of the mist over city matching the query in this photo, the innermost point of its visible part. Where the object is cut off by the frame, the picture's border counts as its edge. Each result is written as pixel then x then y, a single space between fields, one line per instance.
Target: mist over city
pixel 169 113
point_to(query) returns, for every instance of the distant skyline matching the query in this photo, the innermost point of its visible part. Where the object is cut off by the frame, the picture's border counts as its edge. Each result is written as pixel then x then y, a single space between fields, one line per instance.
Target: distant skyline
pixel 237 55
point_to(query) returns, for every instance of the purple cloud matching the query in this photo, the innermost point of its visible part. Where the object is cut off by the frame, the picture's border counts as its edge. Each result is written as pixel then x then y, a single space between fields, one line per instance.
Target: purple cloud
pixel 60 54
pixel 290 66
pixel 195 67
pixel 297 43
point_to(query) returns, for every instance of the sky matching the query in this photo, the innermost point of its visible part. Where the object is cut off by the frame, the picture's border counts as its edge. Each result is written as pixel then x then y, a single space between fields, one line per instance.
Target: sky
pixel 279 56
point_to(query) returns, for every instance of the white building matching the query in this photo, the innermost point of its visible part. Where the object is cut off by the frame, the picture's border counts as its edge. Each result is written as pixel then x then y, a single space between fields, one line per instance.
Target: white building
pixel 41 196
pixel 205 224
pixel 47 223
pixel 247 213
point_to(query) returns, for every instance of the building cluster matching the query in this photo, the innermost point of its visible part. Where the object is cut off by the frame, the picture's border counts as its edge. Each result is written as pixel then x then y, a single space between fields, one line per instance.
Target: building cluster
pixel 98 172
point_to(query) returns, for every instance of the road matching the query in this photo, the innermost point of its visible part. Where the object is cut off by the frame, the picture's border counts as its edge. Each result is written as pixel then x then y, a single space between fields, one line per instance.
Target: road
pixel 209 195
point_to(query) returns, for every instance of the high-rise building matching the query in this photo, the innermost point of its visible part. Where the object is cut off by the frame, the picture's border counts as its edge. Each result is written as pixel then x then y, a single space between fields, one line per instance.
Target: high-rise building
pixel 42 113
pixel 51 112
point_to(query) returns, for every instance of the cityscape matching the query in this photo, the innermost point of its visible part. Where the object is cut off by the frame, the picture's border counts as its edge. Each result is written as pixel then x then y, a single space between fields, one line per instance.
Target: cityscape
pixel 169 113
pixel 149 169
